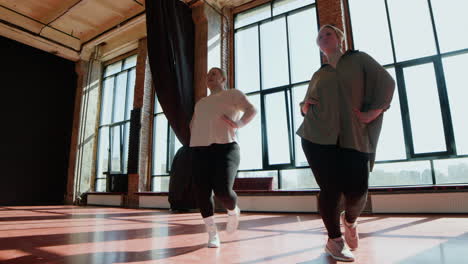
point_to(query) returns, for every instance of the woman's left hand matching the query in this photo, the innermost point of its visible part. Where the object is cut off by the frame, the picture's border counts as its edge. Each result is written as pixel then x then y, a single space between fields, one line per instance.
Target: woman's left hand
pixel 228 120
pixel 369 116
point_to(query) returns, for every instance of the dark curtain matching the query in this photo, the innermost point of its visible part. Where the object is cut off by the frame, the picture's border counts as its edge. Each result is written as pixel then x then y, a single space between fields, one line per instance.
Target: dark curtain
pixel 171 57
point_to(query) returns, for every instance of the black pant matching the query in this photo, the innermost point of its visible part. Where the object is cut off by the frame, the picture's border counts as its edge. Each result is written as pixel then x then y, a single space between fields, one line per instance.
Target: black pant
pixel 338 171
pixel 215 168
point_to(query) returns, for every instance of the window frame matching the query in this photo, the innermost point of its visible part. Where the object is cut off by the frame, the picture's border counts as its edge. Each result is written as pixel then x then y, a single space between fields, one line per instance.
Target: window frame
pixel 286 89
pixel 122 124
pixel 436 61
pixel 170 146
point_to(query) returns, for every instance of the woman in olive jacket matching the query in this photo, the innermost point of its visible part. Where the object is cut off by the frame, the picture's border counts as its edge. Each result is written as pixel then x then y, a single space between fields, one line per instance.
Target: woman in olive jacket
pixel 343 113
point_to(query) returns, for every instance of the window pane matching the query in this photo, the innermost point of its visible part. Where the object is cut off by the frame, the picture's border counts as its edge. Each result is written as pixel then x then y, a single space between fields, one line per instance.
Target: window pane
pixel 412 29
pixel 401 173
pixel 298 94
pixel 252 16
pixel 131 90
pixel 457 88
pixel 103 152
pixel 126 138
pixel 298 179
pixel 247 60
pixel 120 95
pixel 450 18
pixel 116 137
pixel 160 184
pixel 250 140
pixel 214 51
pixel 174 146
pixel 113 68
pixel 177 144
pixel 283 6
pixel 160 145
pixel 364 32
pixel 130 62
pixel 277 128
pixel 392 140
pixel 260 174
pixel 101 185
pixel 157 106
pixel 424 109
pixel 304 53
pixel 451 171
pixel 107 97
pixel 274 53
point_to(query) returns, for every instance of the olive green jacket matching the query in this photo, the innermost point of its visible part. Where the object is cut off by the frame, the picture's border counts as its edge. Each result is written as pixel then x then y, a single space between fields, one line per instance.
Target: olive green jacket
pixel 357 82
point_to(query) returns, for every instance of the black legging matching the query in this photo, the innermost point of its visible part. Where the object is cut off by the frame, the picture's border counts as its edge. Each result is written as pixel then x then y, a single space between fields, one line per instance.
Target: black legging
pixel 214 169
pixel 338 171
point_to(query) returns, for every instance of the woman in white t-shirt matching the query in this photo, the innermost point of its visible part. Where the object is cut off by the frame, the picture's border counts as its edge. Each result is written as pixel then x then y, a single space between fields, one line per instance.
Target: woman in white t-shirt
pixel 216 154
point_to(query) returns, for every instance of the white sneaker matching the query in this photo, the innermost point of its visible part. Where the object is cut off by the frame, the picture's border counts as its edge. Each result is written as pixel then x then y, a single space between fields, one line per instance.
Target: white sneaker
pixel 233 220
pixel 338 250
pixel 351 234
pixel 213 237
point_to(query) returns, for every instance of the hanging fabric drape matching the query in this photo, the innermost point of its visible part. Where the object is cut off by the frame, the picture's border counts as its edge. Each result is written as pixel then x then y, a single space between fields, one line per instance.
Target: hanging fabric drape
pixel 170 38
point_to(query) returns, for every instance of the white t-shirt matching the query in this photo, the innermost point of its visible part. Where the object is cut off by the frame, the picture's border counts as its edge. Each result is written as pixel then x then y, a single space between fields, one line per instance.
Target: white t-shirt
pixel 207 127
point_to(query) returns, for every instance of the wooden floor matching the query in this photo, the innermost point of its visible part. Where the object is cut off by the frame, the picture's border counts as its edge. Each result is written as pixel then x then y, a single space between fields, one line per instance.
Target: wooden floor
pixel 98 235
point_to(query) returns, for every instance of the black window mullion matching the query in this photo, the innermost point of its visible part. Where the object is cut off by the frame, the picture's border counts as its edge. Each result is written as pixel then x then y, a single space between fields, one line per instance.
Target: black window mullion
pixel 113 99
pixel 280 179
pixel 289 100
pixel 122 141
pixel 171 149
pixel 404 112
pixel 168 146
pixel 127 90
pixel 109 159
pixel 262 103
pixel 445 107
pixel 433 177
pixel 302 8
pixel 390 31
pixel 434 29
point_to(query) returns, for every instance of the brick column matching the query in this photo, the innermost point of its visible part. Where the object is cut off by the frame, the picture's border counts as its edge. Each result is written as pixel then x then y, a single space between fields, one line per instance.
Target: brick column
pixel 334 12
pixel 146 128
pixel 136 135
pixel 201 50
pixel 227 45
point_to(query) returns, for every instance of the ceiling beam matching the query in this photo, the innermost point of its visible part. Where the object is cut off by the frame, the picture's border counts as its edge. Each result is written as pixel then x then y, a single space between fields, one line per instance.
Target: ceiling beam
pixel 38 42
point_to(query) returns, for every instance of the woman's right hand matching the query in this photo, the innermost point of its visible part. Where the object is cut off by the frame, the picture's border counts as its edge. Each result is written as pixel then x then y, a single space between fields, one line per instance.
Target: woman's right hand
pixel 307 104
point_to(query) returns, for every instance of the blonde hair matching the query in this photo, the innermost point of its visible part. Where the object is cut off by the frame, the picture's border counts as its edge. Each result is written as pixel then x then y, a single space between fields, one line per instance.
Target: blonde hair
pixel 338 32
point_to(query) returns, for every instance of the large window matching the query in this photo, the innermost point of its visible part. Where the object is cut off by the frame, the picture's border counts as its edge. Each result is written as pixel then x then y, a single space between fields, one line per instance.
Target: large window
pixel 114 125
pixel 275 57
pixel 423 139
pixel 165 145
